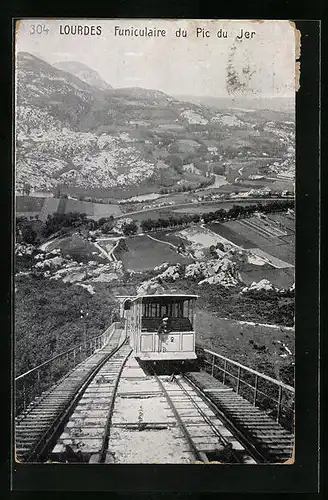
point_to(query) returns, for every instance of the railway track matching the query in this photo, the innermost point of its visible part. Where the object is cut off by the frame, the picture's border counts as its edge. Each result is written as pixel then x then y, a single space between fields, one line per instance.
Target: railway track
pixel 129 415
pixel 266 440
pixel 207 435
pixel 137 416
pixel 111 410
pixel 85 437
pixel 40 423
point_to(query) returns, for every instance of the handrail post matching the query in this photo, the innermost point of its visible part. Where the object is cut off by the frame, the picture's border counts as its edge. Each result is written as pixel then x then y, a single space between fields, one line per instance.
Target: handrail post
pixel 39 381
pixel 224 371
pixel 279 403
pixel 213 358
pixel 24 396
pixel 74 358
pixel 238 379
pixel 255 390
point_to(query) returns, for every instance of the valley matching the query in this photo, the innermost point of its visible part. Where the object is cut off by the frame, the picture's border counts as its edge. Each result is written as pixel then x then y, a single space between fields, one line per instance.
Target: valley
pixel 130 190
pixel 79 137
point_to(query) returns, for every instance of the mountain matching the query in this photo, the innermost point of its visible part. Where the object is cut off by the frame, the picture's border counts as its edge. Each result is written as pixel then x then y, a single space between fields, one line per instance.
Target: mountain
pixel 121 142
pixel 83 72
pixel 243 103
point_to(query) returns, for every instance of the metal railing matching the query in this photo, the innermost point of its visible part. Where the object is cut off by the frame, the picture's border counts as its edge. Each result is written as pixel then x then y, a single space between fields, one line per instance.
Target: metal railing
pixel 265 392
pixel 34 382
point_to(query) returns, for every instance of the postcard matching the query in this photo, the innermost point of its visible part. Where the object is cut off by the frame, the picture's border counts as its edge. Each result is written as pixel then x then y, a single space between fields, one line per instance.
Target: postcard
pixel 154 241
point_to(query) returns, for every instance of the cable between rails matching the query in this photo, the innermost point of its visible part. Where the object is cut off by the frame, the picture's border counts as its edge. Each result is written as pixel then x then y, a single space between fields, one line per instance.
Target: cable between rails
pixel 200 456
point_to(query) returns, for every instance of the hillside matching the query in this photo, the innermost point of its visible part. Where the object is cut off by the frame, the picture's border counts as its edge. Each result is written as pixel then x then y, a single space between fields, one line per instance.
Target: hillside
pixel 73 131
pixel 83 72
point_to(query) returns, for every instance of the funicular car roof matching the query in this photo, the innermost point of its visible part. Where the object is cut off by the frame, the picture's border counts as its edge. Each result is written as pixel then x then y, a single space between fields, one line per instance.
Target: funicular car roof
pixel 172 296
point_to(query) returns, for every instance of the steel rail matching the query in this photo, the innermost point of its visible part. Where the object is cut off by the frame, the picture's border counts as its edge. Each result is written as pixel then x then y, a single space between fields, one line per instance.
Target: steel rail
pixel 41 447
pixel 207 420
pixel 197 454
pixel 249 446
pixel 104 447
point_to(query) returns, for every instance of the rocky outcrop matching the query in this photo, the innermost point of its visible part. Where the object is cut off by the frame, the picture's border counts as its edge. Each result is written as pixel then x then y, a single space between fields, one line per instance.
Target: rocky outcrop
pixel 260 285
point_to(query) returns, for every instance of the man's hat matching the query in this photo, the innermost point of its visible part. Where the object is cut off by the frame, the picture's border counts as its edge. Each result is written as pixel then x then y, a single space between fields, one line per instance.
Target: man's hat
pixel 165 319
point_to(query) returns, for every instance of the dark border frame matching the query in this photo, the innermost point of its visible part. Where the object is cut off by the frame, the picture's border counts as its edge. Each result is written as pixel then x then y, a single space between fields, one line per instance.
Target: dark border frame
pixel 303 475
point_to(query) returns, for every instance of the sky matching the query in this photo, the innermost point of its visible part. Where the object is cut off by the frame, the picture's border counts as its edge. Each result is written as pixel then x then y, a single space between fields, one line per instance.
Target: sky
pixel 191 65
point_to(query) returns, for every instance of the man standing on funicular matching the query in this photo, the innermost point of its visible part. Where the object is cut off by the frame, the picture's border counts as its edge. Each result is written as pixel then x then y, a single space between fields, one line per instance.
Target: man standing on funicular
pixel 163 329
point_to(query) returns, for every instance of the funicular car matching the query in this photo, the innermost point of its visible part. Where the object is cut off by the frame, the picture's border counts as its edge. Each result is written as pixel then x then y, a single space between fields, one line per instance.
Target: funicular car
pixel 146 313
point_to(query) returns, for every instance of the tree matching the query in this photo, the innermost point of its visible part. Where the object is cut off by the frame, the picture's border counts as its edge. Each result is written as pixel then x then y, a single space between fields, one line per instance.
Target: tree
pixel 196 218
pixel 27 188
pixel 130 228
pixel 107 227
pixel 147 225
pixel 28 234
pixel 213 252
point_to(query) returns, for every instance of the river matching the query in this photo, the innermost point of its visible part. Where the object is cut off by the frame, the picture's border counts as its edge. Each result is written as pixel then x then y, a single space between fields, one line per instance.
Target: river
pixel 220 180
pixel 145 197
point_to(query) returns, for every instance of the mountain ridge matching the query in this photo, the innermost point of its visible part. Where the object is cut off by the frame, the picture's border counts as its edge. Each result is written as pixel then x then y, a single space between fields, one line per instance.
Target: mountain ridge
pixel 72 134
pixel 84 72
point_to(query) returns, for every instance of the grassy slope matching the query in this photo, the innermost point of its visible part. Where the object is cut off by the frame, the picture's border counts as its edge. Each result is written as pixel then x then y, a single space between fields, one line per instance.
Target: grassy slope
pixel 232 339
pixel 226 232
pixel 78 248
pixel 275 246
pixel 47 317
pixel 144 253
pixel 29 203
pixel 262 307
pixel 170 237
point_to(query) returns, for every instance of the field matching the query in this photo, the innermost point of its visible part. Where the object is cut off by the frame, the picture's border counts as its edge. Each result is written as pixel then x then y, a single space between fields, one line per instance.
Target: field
pixel 152 214
pixel 200 208
pixel 229 234
pixel 226 189
pixel 232 338
pixel 170 237
pixel 78 248
pixel 29 204
pixel 279 251
pixel 144 254
pixel 281 278
pixel 93 210
pixel 271 254
pixel 201 236
pixel 284 220
pixel 282 185
pixel 254 183
pixel 109 194
pixel 276 246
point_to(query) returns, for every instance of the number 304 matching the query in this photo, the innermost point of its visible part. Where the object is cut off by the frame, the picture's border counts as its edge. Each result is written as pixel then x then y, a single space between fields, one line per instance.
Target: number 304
pixel 39 29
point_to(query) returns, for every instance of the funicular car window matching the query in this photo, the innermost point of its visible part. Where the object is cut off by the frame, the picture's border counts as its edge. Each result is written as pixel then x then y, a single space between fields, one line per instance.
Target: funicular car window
pixel 160 308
